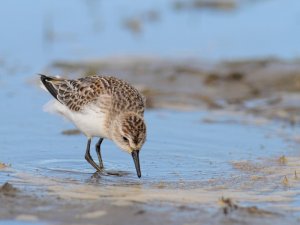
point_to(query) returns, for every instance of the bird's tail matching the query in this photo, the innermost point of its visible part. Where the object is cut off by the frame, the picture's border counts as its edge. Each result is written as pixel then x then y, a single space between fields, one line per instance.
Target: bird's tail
pixel 49 84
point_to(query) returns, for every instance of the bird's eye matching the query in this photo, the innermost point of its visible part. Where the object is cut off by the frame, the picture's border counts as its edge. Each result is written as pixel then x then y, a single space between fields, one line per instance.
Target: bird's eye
pixel 125 139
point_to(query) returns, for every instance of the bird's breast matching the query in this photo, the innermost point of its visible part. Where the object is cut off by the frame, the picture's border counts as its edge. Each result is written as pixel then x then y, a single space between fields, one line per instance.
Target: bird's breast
pixel 91 121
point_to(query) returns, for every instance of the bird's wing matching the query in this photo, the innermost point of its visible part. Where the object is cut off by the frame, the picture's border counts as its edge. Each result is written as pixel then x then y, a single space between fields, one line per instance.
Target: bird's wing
pixel 73 93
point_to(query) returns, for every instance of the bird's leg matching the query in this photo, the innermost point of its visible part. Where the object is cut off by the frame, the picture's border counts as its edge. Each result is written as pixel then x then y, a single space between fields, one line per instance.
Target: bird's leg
pixel 88 156
pixel 98 150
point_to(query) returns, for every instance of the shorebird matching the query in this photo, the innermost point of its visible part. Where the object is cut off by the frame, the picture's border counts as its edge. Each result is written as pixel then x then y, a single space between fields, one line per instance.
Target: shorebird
pixel 104 107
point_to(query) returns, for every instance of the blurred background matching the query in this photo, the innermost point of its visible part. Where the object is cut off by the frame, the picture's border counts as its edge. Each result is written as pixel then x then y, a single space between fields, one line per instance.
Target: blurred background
pixel 34 33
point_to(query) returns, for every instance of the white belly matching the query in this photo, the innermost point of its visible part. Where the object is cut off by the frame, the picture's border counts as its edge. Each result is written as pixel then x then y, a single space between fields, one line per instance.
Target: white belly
pixel 89 121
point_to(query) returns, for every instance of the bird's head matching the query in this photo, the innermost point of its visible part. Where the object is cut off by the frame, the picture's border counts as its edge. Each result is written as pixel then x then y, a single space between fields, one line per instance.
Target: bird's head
pixel 129 134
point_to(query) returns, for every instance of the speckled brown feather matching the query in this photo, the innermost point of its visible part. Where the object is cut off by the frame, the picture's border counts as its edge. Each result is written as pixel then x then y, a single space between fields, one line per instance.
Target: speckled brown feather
pixel 136 127
pixel 75 94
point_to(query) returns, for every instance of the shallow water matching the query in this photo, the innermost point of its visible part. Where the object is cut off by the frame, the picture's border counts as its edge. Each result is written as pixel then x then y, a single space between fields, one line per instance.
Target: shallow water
pixel 9 222
pixel 180 147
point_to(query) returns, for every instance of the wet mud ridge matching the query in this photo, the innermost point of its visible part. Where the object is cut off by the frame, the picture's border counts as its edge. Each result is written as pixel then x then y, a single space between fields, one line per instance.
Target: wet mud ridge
pixel 63 209
pixel 267 87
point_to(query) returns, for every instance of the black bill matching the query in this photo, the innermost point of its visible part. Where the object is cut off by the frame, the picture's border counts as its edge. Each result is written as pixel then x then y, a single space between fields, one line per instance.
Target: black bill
pixel 135 156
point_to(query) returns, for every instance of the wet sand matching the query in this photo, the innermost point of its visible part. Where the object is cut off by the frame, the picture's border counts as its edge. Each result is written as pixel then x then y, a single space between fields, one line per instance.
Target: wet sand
pixel 230 201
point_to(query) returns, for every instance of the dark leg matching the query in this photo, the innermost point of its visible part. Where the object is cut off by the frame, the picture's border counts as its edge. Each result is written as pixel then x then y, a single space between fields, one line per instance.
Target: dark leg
pixel 98 150
pixel 88 156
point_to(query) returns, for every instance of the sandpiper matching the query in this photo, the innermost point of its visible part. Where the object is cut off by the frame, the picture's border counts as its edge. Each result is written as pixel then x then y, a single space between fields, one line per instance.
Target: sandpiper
pixel 104 107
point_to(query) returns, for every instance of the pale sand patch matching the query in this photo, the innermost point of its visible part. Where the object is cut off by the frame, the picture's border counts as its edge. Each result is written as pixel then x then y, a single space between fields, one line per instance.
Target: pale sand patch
pixel 3 165
pixel 92 215
pixel 26 217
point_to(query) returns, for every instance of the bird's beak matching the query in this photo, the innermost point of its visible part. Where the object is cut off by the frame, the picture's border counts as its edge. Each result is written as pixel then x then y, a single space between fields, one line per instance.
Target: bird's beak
pixel 135 156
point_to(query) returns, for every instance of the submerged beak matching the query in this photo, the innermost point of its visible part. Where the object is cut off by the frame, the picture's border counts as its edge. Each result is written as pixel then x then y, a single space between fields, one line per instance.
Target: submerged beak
pixel 135 156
